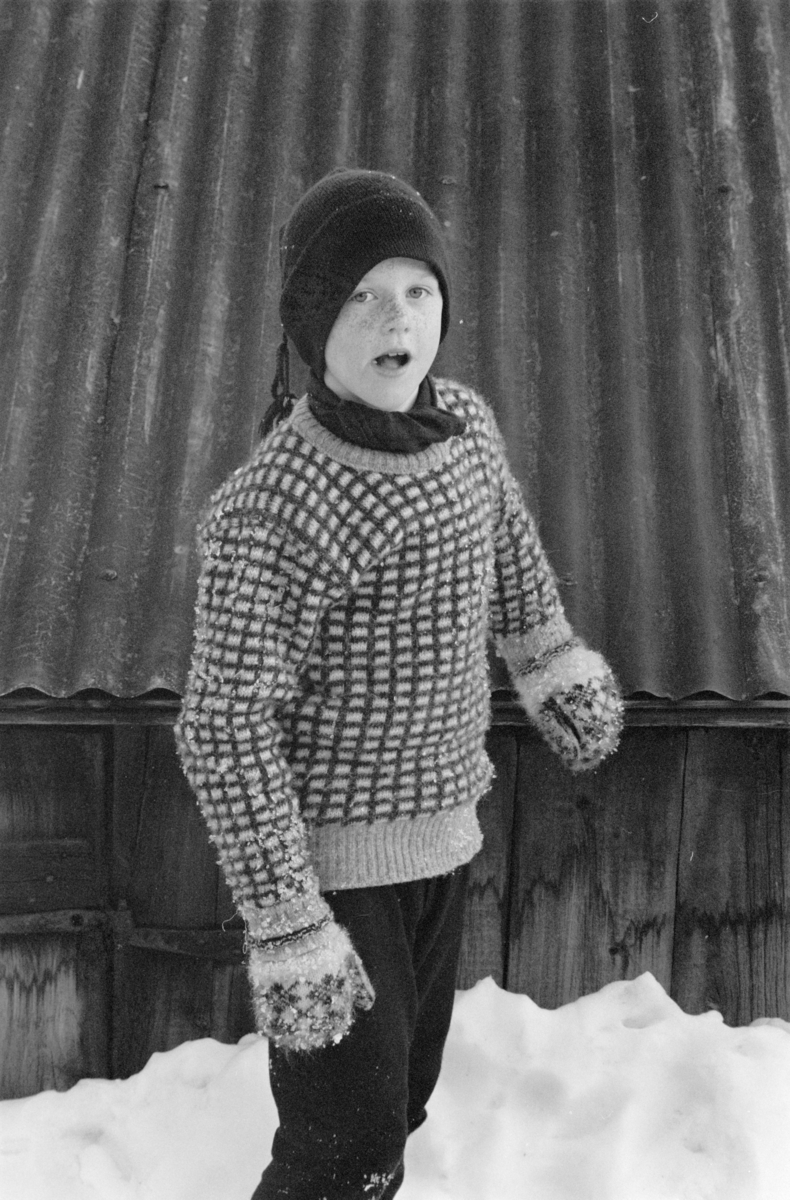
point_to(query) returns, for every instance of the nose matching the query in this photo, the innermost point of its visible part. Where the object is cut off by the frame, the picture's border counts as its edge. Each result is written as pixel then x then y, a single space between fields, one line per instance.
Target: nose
pixel 396 312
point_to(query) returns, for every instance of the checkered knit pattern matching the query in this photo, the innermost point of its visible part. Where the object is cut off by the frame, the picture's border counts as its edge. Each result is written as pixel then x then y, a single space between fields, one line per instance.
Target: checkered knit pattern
pixel 334 721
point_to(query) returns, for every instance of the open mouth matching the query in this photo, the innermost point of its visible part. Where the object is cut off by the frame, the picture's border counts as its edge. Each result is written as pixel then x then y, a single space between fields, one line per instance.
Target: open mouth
pixel 393 361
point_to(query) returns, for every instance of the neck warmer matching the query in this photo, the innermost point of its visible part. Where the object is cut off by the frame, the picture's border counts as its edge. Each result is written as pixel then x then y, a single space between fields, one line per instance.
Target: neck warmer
pixel 399 432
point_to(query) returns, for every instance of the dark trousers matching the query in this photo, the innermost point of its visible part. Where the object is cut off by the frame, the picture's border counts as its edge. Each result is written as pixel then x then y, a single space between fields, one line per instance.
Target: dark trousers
pixel 346 1111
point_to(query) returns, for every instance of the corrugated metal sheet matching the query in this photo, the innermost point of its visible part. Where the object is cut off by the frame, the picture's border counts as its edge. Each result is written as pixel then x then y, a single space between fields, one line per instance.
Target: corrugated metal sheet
pixel 614 181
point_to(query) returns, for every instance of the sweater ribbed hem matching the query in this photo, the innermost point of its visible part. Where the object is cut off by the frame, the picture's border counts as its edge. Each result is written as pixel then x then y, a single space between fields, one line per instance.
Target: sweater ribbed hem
pixel 372 855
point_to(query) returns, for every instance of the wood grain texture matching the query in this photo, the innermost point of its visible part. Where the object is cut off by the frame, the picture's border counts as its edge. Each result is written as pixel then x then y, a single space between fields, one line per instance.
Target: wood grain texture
pixel 488 899
pixel 52 818
pixel 594 865
pixel 161 1001
pixel 164 864
pixel 53 1012
pixel 42 876
pixel 166 999
pixel 732 942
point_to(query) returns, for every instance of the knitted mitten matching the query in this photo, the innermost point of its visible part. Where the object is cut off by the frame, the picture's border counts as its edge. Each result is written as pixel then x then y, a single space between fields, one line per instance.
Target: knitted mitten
pixel 571 696
pixel 583 723
pixel 307 988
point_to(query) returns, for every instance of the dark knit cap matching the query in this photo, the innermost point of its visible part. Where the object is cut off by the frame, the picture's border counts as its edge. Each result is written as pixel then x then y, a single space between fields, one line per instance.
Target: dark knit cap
pixel 342 227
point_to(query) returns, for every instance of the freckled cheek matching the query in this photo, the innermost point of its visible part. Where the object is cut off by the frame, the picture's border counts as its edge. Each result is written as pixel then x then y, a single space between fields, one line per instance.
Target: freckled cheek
pixel 363 325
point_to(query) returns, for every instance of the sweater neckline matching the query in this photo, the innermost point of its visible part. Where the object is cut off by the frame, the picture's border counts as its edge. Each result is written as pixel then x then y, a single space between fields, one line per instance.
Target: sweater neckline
pixel 385 462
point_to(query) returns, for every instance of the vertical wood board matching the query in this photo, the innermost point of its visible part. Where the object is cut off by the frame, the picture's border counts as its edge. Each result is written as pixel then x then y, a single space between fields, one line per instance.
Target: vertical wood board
pixel 732 942
pixel 53 1012
pixel 165 866
pixel 163 1000
pixel 483 952
pixel 53 821
pixel 594 864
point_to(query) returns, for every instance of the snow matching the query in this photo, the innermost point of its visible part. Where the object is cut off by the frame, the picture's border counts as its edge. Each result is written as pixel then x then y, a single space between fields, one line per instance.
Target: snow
pixel 618 1096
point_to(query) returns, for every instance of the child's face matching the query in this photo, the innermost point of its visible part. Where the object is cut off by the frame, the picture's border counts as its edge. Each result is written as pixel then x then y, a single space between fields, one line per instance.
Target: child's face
pixel 386 336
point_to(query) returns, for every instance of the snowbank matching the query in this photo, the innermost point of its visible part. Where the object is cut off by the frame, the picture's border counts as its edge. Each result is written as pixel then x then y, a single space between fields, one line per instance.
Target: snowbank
pixel 619 1096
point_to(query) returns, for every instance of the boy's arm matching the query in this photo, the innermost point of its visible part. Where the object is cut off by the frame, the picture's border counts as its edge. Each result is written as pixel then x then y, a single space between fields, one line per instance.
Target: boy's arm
pixel 261 596
pixel 567 689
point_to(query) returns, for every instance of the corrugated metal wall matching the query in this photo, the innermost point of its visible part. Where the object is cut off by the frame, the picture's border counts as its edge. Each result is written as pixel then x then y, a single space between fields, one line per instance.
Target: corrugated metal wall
pixel 614 178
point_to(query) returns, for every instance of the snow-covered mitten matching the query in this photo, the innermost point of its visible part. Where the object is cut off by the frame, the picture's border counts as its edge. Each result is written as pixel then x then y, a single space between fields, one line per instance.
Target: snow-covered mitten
pixel 308 987
pixel 569 693
pixel 583 722
pixel 582 725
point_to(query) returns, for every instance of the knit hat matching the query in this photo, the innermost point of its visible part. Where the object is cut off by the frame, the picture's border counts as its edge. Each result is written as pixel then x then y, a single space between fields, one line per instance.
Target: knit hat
pixel 341 228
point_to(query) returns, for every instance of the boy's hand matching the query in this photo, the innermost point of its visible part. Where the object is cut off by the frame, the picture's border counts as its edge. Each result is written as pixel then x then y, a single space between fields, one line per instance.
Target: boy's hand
pixel 583 723
pixel 307 992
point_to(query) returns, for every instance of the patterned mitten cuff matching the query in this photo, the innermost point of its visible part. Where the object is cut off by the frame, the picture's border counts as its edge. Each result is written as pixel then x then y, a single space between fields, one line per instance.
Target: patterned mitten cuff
pixel 308 987
pixel 583 723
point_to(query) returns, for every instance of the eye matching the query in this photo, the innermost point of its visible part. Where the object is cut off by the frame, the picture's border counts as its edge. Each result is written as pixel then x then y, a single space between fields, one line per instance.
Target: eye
pixel 361 297
pixel 419 290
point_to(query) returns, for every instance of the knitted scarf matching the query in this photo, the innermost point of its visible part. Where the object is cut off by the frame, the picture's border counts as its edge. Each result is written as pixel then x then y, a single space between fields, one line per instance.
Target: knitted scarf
pixel 400 432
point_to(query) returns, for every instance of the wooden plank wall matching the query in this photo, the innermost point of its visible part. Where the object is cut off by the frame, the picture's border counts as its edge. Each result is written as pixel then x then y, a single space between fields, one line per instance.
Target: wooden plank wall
pixel 117 935
pixel 53 874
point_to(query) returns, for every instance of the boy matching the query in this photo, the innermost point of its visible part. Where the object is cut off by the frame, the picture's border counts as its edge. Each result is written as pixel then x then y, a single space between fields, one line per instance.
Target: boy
pixel 334 722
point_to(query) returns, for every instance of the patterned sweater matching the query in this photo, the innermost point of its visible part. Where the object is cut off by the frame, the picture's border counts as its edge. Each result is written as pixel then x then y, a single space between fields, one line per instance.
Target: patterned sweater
pixel 334 721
